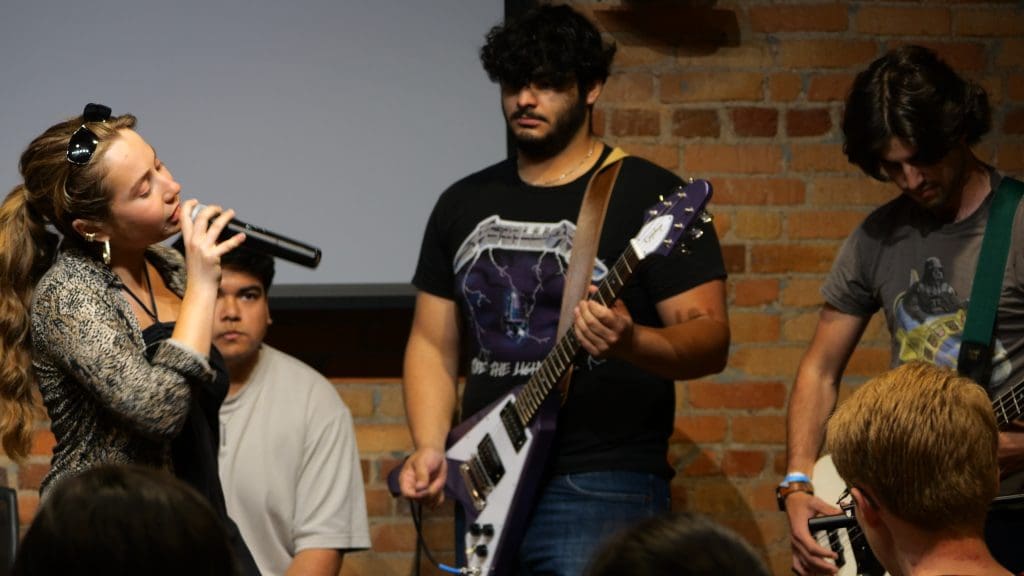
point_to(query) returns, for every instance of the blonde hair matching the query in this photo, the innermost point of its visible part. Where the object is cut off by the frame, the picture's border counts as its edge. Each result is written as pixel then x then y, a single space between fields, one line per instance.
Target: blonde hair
pixel 55 192
pixel 923 440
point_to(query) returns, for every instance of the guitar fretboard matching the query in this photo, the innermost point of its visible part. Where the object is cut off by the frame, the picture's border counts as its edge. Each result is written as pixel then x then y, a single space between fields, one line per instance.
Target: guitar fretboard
pixel 532 395
pixel 1007 405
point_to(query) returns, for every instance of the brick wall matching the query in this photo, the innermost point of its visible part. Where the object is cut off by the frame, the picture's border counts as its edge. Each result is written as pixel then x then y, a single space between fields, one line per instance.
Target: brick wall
pixel 748 95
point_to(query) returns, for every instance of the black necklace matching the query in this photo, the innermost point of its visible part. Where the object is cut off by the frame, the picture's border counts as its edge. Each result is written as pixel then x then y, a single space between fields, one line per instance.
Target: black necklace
pixel 152 300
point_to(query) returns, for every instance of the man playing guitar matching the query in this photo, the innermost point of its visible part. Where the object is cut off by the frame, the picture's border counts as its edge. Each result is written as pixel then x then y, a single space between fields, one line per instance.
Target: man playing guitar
pixel 909 119
pixel 489 280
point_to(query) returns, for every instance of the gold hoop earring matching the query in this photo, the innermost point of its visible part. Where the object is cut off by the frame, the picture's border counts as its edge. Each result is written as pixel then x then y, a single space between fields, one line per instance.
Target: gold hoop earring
pixel 106 251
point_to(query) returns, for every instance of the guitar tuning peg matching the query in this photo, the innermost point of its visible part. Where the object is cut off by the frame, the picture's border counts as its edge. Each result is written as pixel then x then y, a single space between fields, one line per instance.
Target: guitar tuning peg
pixel 666 203
pixel 688 210
pixel 695 233
pixel 684 250
pixel 678 225
pixel 661 198
pixel 681 194
pixel 706 217
pixel 667 243
pixel 689 180
pixel 652 212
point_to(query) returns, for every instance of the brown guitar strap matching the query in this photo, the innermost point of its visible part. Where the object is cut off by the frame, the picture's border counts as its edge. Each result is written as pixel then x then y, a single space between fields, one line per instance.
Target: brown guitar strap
pixel 587 238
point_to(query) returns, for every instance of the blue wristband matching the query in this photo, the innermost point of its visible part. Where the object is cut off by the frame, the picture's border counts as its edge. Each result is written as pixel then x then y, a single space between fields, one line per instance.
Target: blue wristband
pixel 795 477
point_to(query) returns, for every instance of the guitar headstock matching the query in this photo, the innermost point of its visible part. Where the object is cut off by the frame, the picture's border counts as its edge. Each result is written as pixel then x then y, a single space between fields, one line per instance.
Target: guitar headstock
pixel 668 220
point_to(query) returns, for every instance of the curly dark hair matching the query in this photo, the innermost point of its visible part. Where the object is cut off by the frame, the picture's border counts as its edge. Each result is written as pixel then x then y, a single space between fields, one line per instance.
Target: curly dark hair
pixel 911 94
pixel 551 46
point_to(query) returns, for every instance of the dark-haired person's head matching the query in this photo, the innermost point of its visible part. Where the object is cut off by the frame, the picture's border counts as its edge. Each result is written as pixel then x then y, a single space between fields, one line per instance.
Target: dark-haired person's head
pixel 551 64
pixel 125 520
pixel 255 264
pixel 677 545
pixel 909 108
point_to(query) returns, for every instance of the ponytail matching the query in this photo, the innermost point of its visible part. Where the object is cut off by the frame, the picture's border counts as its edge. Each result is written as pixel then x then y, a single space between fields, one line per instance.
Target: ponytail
pixel 26 250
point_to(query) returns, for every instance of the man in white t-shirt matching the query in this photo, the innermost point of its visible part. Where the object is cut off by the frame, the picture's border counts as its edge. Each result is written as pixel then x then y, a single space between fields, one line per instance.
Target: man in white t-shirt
pixel 288 457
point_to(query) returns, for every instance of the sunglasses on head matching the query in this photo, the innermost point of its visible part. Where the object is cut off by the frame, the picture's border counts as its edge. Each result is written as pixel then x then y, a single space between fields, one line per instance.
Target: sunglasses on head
pixel 83 142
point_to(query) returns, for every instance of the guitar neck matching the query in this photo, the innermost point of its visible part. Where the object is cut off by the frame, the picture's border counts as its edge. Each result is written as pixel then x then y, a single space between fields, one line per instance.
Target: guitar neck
pixel 557 362
pixel 1008 405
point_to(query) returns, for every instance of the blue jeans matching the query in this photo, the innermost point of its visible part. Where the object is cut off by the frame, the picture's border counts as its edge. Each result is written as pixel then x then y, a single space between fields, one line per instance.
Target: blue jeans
pixel 577 512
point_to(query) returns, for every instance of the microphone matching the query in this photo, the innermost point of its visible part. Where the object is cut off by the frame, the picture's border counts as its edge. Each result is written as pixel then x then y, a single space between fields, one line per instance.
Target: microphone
pixel 267 242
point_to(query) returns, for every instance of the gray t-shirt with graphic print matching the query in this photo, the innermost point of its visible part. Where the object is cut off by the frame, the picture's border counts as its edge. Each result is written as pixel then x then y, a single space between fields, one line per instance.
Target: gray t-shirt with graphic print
pixel 919 270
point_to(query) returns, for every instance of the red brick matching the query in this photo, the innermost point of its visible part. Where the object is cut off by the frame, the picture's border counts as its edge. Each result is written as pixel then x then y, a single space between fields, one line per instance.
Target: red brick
pixel 890 21
pixel 779 463
pixel 769 361
pixel 379 502
pixel 746 56
pixel 699 429
pixel 732 158
pixel 993 86
pixel 829 87
pixel 392 403
pixel 688 123
pixel 635 122
pixel 758 191
pixel 754 292
pixel 785 87
pixel 664 155
pixel 722 223
pixel 634 55
pixel 1015 87
pixel 1011 157
pixel 826 53
pixel 28 504
pixel 753 327
pixel 754 121
pixel 401 537
pixel 717 499
pixel 735 257
pixel 758 224
pixel 699 463
pixel 30 475
pixel 851 191
pixel 43 442
pixel 629 88
pixel 822 224
pixel 383 438
pixel 868 361
pixel 1014 121
pixel 801 292
pixel 991 21
pixel 737 395
pixel 711 86
pixel 819 158
pixel 791 258
pixel 800 328
pixel 799 18
pixel 743 463
pixel 760 429
pixel 359 399
pixel 814 122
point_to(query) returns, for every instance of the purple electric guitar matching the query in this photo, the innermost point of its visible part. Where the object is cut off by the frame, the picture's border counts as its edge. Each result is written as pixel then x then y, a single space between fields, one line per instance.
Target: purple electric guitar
pixel 495 458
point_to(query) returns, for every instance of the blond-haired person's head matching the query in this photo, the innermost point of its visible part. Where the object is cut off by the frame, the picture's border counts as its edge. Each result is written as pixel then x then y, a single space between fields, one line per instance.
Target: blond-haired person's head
pixel 921 440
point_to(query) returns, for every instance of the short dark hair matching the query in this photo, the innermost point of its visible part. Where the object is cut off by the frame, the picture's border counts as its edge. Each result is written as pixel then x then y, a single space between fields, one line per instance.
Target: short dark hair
pixel 124 520
pixel 680 544
pixel 548 45
pixel 256 264
pixel 912 95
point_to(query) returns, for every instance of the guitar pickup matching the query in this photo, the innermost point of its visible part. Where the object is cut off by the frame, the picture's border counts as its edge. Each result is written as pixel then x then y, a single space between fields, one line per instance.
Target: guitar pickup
pixel 482 472
pixel 513 426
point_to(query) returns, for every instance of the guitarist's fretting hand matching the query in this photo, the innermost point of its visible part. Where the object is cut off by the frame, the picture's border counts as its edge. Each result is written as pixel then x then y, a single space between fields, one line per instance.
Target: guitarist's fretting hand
pixel 808 556
pixel 601 330
pixel 423 476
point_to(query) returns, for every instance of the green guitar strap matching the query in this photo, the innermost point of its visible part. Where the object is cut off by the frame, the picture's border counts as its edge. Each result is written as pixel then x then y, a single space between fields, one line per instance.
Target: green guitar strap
pixel 975 359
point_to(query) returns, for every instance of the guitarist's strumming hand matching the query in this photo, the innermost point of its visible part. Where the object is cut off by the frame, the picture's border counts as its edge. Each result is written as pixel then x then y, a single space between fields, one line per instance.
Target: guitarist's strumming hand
pixel 602 331
pixel 808 556
pixel 423 476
